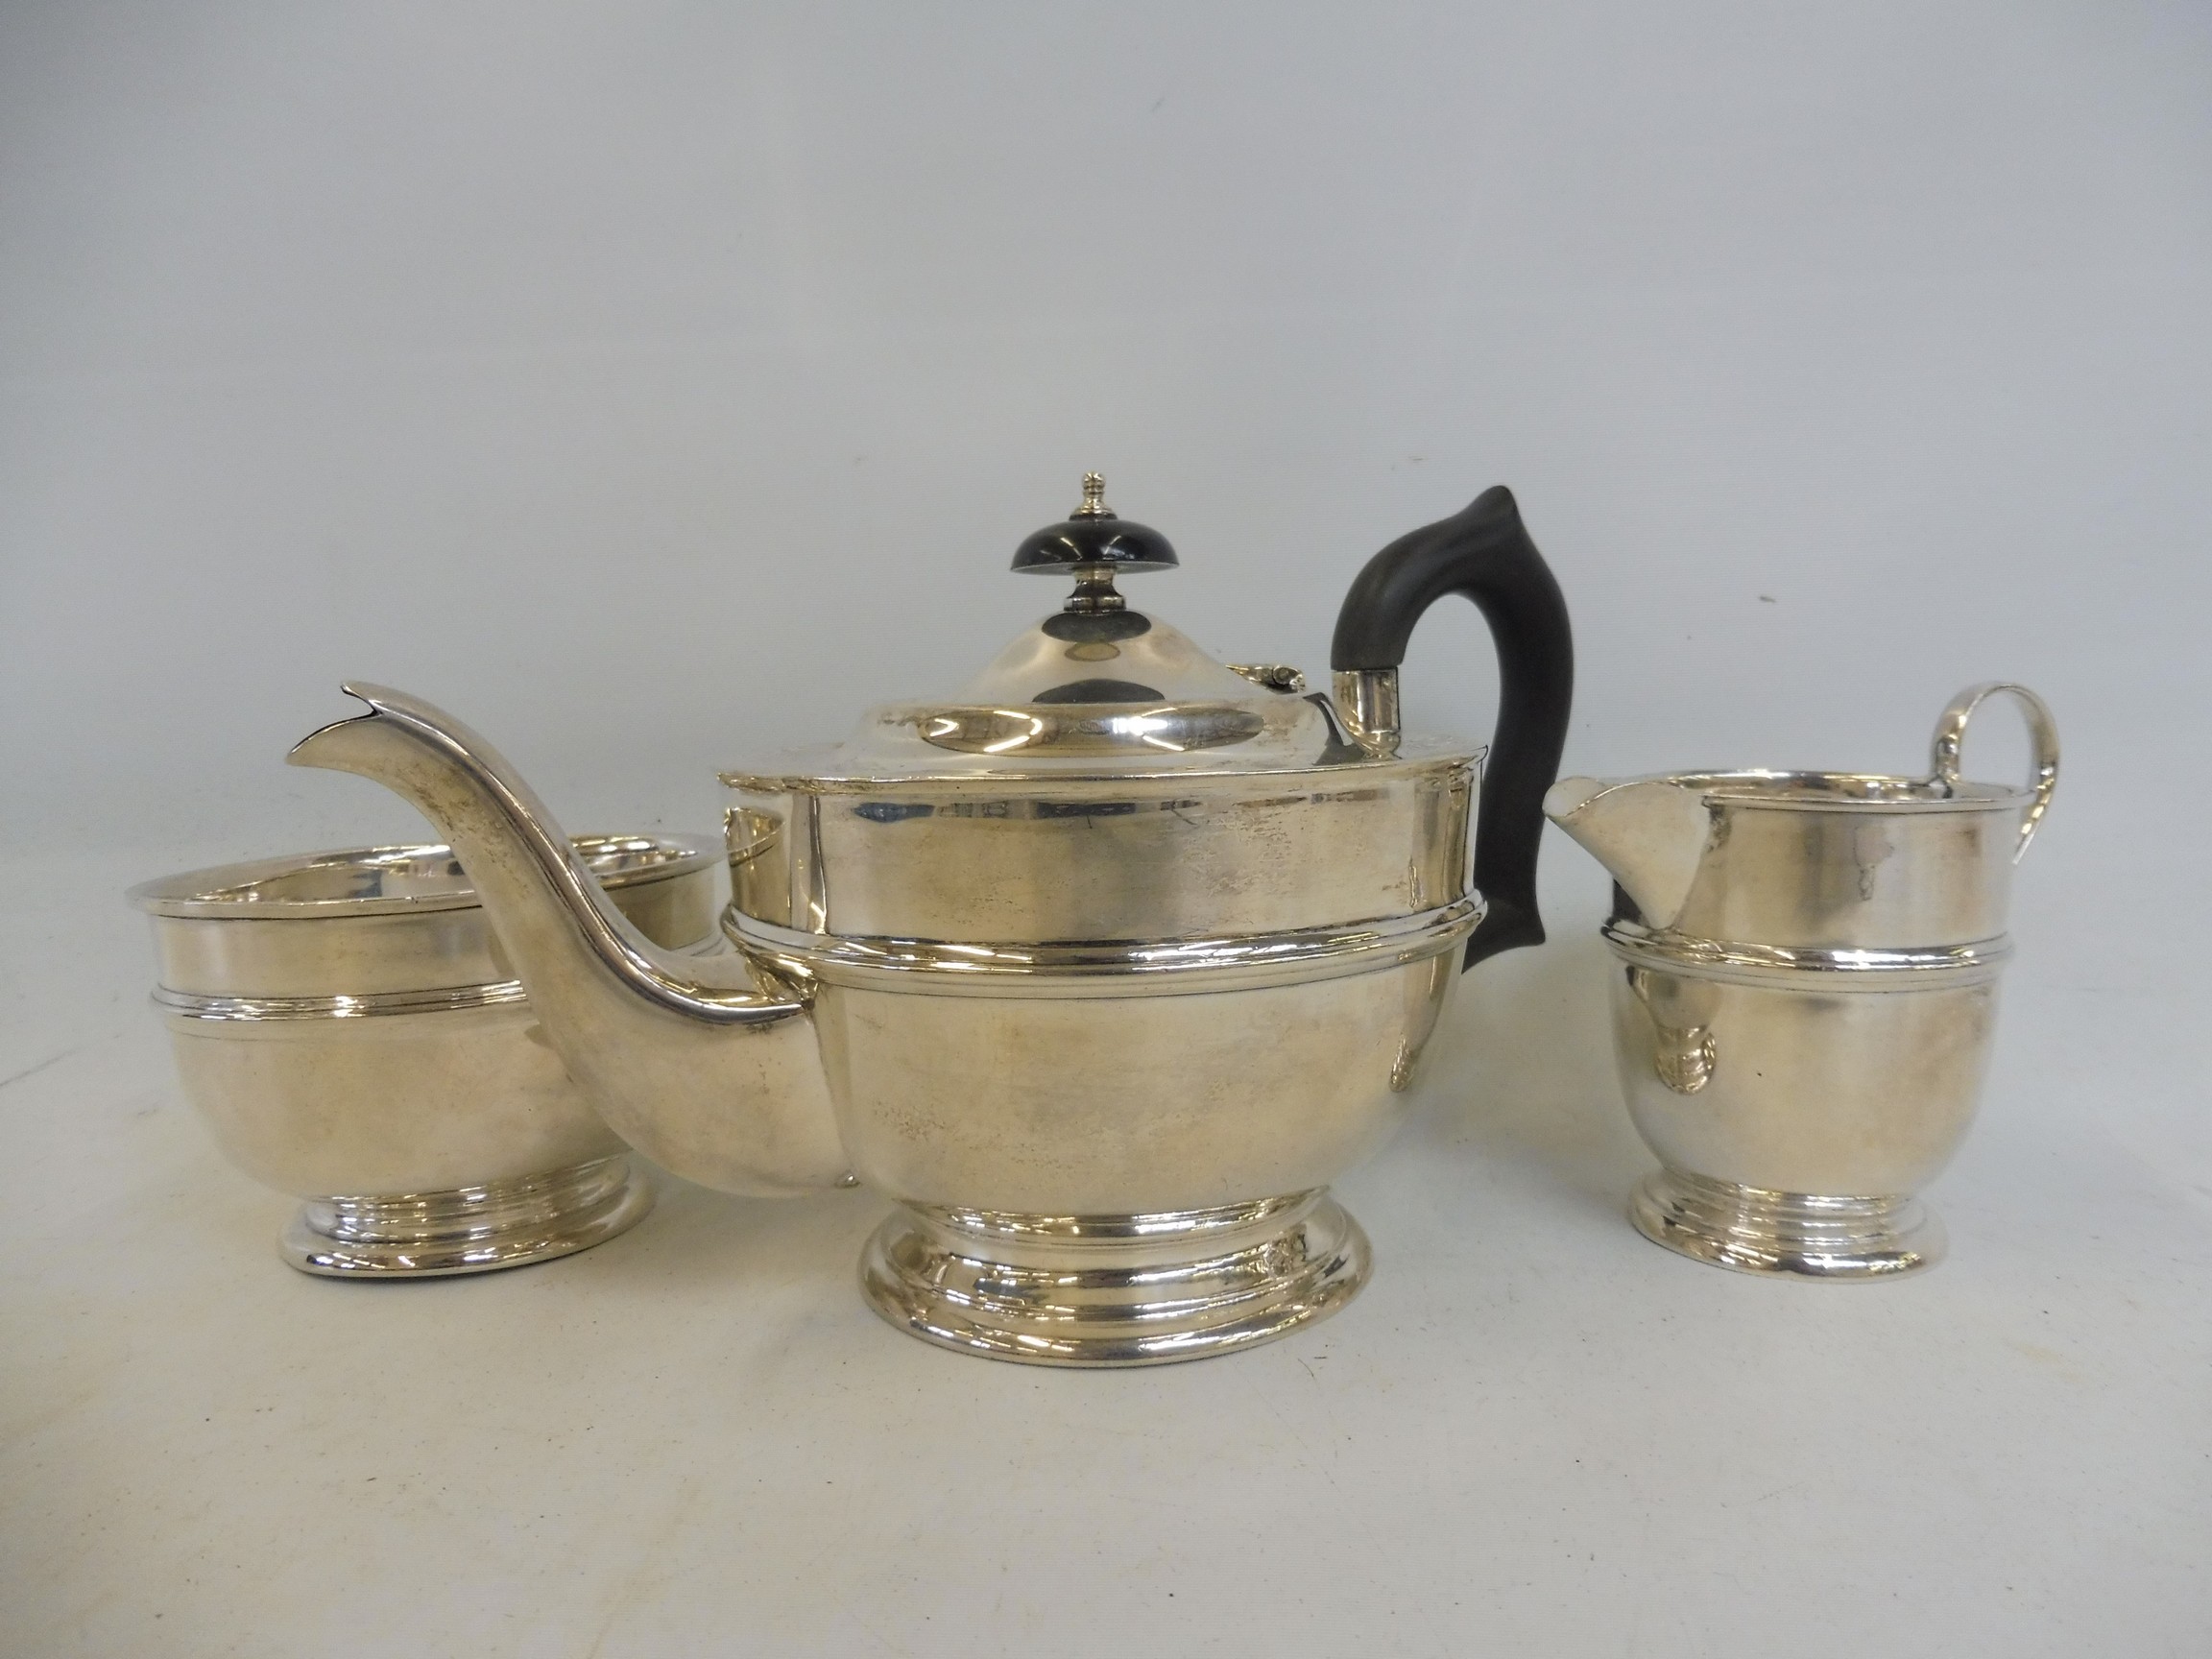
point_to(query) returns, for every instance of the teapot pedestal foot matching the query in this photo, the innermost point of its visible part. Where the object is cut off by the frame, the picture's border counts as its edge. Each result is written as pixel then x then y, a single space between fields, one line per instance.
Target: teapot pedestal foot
pixel 469 1229
pixel 1114 1290
pixel 1794 1234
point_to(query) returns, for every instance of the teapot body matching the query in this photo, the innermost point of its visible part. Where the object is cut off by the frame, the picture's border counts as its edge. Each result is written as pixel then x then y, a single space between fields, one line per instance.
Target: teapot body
pixel 1108 995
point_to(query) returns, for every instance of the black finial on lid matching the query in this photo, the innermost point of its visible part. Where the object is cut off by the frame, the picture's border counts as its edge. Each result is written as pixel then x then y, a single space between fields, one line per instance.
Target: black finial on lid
pixel 1092 540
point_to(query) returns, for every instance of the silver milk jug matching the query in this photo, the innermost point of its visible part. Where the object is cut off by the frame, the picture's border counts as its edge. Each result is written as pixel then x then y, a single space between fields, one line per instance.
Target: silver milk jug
pixel 1806 992
pixel 1102 966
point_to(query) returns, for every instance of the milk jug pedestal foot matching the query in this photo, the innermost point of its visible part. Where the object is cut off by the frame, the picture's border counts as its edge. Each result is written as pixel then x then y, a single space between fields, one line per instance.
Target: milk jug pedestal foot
pixel 470 1229
pixel 1114 1290
pixel 1792 1234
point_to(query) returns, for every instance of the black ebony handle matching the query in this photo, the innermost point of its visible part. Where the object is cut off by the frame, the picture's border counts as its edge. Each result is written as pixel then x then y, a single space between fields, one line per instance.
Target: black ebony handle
pixel 1484 553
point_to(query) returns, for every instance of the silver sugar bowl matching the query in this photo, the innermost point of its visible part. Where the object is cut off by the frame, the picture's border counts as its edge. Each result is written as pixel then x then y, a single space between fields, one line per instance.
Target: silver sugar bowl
pixel 348 1028
pixel 1101 967
pixel 1806 992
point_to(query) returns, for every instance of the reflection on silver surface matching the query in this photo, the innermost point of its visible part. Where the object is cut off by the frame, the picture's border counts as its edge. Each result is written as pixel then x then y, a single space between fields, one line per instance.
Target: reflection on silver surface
pixel 1154 859
pixel 1187 967
pixel 1735 961
pixel 184 1005
pixel 469 1229
pixel 1275 675
pixel 1806 994
pixel 1684 1052
pixel 1797 1233
pixel 1114 1291
pixel 1103 967
pixel 2042 735
pixel 1175 728
pixel 347 1025
pixel 1367 699
pixel 1303 925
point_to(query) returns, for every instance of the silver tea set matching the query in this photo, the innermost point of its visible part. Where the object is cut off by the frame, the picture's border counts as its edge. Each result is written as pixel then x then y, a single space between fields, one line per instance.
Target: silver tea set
pixel 1102 969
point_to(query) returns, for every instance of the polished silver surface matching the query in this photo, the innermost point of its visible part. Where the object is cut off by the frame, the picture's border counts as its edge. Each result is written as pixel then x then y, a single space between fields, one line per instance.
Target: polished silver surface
pixel 191 1006
pixel 2042 735
pixel 706 1068
pixel 1110 729
pixel 468 1229
pixel 1739 961
pixel 1786 1233
pixel 1275 675
pixel 1368 700
pixel 1094 505
pixel 1172 967
pixel 1114 1291
pixel 409 919
pixel 1154 982
pixel 347 1027
pixel 1087 963
pixel 1806 993
pixel 1123 1105
pixel 1187 855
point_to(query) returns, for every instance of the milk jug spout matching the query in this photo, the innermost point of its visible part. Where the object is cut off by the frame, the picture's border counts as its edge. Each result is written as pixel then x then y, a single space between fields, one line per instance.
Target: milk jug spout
pixel 1650 833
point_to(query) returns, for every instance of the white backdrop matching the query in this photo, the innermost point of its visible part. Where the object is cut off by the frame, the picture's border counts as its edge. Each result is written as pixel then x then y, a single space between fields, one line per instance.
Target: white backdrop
pixel 653 385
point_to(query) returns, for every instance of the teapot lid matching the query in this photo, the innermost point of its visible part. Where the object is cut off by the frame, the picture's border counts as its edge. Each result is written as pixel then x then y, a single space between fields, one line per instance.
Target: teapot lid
pixel 1096 689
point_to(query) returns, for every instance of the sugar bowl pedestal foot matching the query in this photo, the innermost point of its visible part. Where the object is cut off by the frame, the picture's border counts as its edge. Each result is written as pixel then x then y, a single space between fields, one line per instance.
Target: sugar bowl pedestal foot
pixel 1107 1290
pixel 1790 1235
pixel 469 1229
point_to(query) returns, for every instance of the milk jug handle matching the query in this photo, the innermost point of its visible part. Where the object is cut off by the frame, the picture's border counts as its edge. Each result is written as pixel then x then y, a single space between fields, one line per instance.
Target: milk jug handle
pixel 1484 554
pixel 2042 734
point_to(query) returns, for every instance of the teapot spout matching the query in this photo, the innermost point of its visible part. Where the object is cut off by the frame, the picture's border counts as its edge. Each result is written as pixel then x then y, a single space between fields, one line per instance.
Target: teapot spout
pixel 690 1059
pixel 1650 833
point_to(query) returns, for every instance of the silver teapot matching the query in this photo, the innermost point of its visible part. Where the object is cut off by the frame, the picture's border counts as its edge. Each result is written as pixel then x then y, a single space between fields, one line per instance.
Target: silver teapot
pixel 1103 967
